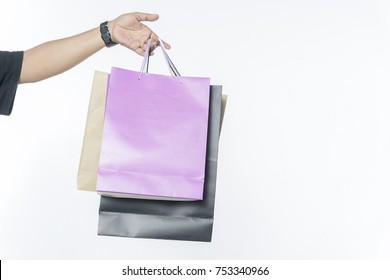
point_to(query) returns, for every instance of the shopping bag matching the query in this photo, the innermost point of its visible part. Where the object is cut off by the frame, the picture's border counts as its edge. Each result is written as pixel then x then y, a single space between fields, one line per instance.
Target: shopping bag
pixel 90 153
pixel 175 220
pixel 89 159
pixel 154 136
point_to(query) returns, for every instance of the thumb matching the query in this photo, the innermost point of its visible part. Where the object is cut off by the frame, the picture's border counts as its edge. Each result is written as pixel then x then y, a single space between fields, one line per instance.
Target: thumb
pixel 146 17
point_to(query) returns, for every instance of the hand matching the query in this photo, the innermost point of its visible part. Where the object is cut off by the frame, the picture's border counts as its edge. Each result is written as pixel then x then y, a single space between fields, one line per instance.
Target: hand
pixel 128 31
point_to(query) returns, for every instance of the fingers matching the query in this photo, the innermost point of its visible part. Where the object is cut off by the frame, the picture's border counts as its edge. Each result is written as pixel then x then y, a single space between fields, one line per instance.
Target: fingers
pixel 166 45
pixel 139 45
pixel 156 42
pixel 140 48
pixel 146 16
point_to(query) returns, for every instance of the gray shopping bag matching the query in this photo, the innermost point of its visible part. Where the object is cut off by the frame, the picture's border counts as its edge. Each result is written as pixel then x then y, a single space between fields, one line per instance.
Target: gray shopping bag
pixel 177 220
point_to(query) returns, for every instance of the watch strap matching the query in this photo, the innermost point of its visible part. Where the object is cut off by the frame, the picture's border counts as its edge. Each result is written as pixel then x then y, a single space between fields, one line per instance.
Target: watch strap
pixel 105 34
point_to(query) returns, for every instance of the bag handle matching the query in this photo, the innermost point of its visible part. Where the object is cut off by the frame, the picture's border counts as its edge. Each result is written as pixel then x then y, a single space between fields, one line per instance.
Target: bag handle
pixel 145 63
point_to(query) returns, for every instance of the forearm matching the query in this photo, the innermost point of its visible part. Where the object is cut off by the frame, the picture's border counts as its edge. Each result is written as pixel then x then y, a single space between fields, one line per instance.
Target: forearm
pixel 55 57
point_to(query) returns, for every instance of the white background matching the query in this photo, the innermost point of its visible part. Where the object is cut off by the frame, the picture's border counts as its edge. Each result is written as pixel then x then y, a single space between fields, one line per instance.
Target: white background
pixel 305 146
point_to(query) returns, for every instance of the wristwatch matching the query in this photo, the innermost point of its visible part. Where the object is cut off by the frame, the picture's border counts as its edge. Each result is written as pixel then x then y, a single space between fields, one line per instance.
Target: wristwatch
pixel 106 36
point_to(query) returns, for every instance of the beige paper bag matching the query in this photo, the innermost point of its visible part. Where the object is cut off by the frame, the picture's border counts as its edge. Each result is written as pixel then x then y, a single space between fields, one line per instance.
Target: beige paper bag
pixel 89 161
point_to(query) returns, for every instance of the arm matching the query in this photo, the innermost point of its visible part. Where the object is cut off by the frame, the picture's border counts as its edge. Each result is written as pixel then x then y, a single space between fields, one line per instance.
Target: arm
pixel 55 57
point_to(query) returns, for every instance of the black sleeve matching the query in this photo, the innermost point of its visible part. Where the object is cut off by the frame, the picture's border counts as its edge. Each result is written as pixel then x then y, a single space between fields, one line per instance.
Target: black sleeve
pixel 10 68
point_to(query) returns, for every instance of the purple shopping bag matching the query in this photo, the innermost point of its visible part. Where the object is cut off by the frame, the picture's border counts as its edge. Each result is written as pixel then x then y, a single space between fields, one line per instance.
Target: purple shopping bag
pixel 154 136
